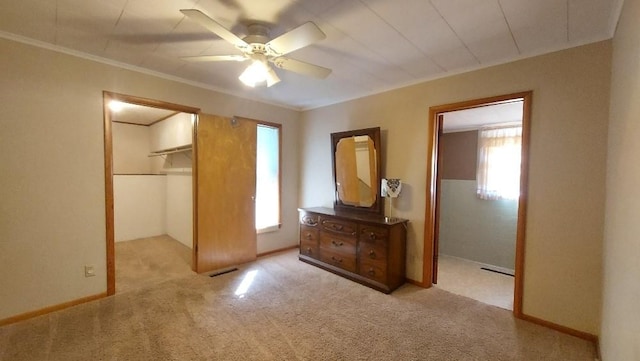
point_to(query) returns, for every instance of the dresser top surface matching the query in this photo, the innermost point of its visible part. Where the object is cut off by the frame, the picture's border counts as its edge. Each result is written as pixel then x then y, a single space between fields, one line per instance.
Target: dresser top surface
pixel 372 218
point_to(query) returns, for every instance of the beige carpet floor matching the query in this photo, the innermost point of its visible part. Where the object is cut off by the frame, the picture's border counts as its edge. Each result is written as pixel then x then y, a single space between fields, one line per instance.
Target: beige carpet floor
pixel 147 261
pixel 289 311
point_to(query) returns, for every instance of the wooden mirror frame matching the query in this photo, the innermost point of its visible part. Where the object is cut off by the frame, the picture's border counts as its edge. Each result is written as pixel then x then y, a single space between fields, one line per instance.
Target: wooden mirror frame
pixel 374 133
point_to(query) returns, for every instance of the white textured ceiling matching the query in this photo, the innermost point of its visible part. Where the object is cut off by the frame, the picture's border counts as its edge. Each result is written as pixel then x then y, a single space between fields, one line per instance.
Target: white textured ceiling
pixel 139 114
pixel 371 45
pixel 482 116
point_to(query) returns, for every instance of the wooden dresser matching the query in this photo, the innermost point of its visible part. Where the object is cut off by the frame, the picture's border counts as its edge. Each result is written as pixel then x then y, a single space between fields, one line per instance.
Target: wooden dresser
pixel 361 247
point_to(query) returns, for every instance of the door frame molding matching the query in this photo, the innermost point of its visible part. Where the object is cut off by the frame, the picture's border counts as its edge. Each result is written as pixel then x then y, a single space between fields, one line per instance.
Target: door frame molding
pixel 107 97
pixel 429 257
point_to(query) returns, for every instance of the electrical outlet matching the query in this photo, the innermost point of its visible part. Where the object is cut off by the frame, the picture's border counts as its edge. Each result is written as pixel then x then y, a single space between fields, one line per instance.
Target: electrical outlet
pixel 89 271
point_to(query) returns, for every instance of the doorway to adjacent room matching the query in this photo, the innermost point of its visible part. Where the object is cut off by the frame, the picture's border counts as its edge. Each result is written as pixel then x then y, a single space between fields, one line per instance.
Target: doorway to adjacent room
pixel 474 229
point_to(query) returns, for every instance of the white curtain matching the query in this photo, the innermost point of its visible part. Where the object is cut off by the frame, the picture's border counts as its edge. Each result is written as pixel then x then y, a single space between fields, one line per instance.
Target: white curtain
pixel 499 152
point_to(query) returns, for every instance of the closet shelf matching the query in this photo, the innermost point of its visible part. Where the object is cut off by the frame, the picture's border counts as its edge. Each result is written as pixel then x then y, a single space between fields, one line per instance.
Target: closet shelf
pixel 184 148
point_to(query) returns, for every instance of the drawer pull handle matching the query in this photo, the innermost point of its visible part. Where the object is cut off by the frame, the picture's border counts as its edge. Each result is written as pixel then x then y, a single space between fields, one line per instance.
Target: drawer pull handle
pixel 337 244
pixel 372 236
pixel 339 260
pixel 309 236
pixel 309 251
pixel 337 227
pixel 372 254
pixel 309 221
pixel 371 272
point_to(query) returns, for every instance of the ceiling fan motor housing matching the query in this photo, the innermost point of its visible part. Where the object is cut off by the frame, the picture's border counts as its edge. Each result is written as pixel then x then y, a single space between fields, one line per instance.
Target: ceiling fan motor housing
pixel 258 34
pixel 257 38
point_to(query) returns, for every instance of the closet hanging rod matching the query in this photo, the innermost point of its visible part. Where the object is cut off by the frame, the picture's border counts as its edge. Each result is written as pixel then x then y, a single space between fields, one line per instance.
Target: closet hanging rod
pixel 183 148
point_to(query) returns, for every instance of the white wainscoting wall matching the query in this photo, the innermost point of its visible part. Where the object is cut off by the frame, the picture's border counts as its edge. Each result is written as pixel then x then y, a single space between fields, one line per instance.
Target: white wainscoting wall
pixel 139 206
pixel 475 229
pixel 179 210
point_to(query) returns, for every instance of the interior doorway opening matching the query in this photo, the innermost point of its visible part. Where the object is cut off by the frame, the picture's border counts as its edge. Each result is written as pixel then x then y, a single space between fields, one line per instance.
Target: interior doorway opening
pixel 476 230
pixel 149 191
pixel 475 220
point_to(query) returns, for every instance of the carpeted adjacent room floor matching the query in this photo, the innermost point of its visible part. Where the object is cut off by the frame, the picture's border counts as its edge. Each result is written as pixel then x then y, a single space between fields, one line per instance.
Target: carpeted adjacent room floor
pixel 290 311
pixel 147 261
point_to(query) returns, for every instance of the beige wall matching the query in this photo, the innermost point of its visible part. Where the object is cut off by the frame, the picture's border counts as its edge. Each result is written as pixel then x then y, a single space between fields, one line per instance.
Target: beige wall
pixel 567 168
pixel 620 333
pixel 52 220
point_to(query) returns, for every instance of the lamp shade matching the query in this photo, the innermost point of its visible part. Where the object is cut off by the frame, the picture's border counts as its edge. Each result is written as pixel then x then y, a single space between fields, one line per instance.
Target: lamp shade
pixel 391 187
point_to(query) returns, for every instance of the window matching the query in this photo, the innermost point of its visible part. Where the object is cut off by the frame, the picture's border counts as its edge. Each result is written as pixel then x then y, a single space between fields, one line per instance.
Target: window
pixel 268 178
pixel 499 152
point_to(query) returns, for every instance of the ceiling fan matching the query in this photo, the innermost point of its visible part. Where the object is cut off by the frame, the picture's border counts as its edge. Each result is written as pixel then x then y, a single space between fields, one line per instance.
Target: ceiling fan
pixel 260 50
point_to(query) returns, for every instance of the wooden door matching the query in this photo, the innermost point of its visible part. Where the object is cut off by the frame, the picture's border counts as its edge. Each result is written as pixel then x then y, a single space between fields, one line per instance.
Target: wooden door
pixel 224 199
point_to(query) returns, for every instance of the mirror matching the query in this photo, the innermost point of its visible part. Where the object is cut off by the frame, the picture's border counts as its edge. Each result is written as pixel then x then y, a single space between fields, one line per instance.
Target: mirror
pixel 356 170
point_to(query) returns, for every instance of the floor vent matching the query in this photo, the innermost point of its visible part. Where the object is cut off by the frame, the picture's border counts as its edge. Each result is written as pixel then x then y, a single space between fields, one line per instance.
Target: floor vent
pixel 496 271
pixel 223 272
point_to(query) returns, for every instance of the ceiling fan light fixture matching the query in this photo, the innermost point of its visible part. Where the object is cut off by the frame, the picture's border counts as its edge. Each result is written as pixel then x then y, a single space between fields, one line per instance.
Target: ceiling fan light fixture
pixel 272 77
pixel 254 74
pixel 258 72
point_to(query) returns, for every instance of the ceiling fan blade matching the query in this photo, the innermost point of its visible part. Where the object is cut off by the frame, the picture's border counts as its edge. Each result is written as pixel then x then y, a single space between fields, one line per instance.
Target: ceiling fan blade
pixel 305 34
pixel 301 67
pixel 213 26
pixel 215 58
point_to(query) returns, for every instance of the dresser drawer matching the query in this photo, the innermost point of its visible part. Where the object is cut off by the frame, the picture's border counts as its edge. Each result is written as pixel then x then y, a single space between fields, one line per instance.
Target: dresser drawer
pixel 373 234
pixel 338 259
pixel 338 244
pixel 374 251
pixel 309 248
pixel 309 240
pixel 338 226
pixel 309 234
pixel 373 269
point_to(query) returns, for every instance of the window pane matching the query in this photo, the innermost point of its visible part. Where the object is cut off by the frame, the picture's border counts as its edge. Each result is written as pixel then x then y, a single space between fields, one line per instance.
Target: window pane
pixel 267 177
pixel 499 152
